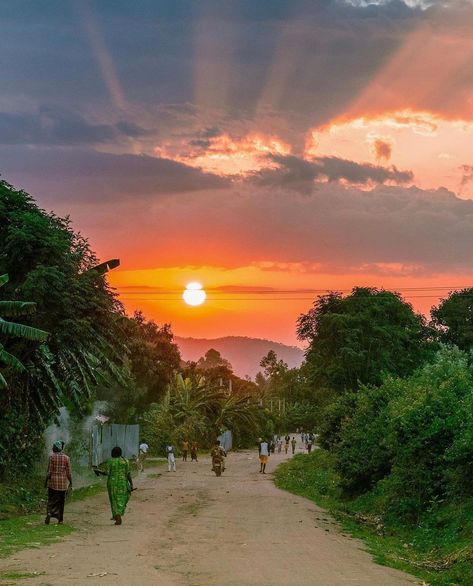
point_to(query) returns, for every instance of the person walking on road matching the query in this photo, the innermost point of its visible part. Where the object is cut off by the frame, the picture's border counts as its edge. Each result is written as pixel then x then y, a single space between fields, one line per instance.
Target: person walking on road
pixel 58 481
pixel 287 439
pixel 143 453
pixel 119 483
pixel 309 444
pixel 293 445
pixel 194 448
pixel 279 444
pixel 185 449
pixel 171 458
pixel 263 450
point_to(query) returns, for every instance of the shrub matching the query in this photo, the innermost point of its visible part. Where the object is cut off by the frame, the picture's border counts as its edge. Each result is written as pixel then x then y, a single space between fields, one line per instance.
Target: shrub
pixel 363 454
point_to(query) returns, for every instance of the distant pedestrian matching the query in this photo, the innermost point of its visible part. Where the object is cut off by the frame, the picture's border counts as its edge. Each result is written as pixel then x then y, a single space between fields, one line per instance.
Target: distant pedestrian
pixel 143 454
pixel 194 448
pixel 272 446
pixel 279 444
pixel 293 445
pixel 263 451
pixel 58 481
pixel 171 458
pixel 185 449
pixel 309 444
pixel 287 439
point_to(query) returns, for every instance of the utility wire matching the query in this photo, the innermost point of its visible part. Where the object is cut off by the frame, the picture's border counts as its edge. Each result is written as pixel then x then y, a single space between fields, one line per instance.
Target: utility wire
pixel 289 291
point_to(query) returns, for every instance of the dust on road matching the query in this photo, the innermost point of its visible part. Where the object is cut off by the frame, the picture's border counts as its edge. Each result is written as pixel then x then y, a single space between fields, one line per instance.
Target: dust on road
pixel 189 528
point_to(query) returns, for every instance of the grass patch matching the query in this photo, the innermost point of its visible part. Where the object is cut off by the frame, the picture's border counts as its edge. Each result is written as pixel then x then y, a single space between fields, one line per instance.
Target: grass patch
pixel 28 495
pixel 18 575
pixel 154 462
pixel 438 549
pixel 26 531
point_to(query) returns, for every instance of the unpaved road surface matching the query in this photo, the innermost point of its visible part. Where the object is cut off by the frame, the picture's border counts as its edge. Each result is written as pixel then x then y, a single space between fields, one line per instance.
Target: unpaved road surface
pixel 189 528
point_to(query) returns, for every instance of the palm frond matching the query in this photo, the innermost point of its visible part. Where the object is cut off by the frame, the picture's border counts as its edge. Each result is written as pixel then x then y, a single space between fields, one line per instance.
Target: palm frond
pixel 3 382
pixel 9 360
pixel 21 331
pixel 3 280
pixel 16 308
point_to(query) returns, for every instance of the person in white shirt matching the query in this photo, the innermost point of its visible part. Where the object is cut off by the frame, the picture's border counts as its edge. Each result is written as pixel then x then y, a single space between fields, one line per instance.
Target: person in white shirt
pixel 263 450
pixel 143 452
pixel 171 458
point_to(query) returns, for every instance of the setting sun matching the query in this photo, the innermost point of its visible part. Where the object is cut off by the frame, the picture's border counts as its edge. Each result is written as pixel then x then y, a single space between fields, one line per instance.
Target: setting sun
pixel 194 294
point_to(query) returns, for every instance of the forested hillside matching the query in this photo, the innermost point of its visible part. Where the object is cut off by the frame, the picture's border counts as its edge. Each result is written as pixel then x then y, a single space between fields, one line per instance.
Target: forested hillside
pixel 242 352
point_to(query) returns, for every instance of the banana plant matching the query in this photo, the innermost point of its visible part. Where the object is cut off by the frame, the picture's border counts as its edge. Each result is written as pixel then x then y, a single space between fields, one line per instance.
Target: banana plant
pixel 14 309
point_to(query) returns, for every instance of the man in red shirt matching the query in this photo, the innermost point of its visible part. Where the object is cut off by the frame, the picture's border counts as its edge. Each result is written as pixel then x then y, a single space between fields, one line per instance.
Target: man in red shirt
pixel 58 480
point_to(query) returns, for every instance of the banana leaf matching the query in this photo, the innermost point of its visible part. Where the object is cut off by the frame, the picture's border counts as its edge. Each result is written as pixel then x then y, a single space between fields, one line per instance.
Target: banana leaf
pixel 16 308
pixel 9 360
pixel 21 331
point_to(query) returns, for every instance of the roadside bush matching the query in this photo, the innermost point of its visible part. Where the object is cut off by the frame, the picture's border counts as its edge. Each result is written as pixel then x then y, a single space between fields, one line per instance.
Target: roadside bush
pixel 300 415
pixel 333 419
pixel 427 422
pixel 363 454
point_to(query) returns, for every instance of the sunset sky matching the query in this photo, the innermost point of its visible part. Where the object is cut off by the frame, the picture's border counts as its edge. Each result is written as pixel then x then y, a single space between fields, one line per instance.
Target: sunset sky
pixel 269 149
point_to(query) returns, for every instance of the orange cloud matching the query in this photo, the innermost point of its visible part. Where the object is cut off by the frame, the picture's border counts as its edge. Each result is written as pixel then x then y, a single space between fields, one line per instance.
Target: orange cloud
pixel 224 153
pixel 432 146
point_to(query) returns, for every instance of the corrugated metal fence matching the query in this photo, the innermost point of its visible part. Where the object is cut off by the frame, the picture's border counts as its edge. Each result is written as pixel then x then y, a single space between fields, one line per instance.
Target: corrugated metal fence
pixel 226 440
pixel 105 437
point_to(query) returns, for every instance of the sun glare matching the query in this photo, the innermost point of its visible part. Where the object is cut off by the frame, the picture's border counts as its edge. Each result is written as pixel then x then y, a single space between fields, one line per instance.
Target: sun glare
pixel 194 294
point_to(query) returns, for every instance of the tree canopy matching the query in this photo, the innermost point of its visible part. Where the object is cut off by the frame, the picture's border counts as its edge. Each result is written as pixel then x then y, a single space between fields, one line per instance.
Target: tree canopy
pixel 453 319
pixel 357 338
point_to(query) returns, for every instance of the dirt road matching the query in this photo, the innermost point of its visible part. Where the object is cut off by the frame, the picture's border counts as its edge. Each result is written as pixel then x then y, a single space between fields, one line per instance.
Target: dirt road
pixel 190 528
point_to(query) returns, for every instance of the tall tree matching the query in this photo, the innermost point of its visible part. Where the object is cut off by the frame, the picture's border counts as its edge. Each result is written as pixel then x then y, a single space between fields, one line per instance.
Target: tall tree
pixel 355 339
pixel 53 267
pixel 453 319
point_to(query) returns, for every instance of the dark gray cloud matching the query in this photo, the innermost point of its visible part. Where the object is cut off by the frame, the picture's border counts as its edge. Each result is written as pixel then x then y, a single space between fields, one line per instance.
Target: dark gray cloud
pixel 382 149
pixel 389 229
pixel 156 47
pixel 79 176
pixel 342 229
pixel 58 126
pixel 300 174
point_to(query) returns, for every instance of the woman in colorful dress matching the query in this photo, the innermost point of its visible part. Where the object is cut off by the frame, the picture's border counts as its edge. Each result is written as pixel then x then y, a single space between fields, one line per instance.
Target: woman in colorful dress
pixel 58 481
pixel 119 483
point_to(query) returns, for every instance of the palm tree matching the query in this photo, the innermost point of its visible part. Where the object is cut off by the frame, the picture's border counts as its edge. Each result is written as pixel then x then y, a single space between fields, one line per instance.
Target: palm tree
pixel 8 328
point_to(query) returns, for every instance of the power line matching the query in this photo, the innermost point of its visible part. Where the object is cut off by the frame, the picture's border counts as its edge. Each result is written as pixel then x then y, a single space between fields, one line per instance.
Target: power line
pixel 269 299
pixel 149 291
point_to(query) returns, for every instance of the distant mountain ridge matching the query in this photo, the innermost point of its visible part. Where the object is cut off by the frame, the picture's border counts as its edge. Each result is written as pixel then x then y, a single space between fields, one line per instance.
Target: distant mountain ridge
pixel 243 353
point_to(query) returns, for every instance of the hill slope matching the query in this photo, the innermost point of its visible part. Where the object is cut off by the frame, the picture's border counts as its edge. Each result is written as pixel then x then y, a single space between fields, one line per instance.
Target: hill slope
pixel 243 353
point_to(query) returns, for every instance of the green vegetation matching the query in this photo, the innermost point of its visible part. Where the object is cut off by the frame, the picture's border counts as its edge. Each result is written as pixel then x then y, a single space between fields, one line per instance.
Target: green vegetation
pixel 54 284
pixel 198 409
pixel 29 531
pixel 18 575
pixel 390 395
pixel 437 548
pixel 24 531
pixel 358 338
pixel 396 428
pixel 29 496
